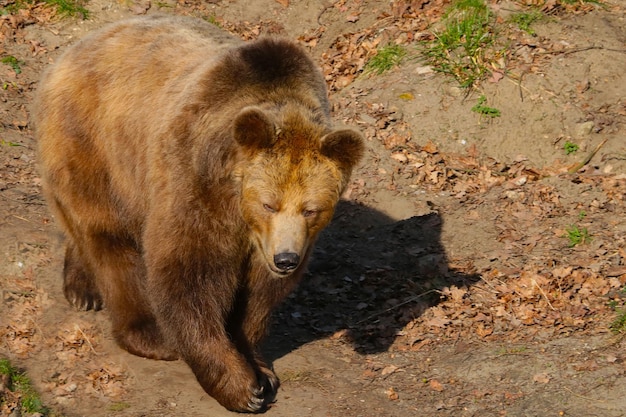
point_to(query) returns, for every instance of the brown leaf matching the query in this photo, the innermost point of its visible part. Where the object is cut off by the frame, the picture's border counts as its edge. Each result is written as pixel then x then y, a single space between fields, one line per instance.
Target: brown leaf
pixel 435 385
pixel 387 370
pixel 139 8
pixel 437 322
pixel 369 374
pixel 284 3
pixel 430 148
pixel 495 76
pixel 589 365
pixel 392 395
pixel 480 393
pixel 542 378
pixel 352 18
pixel 455 293
pixel 394 140
pixel 615 271
pixel 400 157
pixel 483 331
pixel 513 396
pixel 339 334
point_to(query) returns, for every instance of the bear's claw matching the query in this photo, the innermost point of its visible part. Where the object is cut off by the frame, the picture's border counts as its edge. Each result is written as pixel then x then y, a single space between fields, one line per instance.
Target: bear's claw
pixel 83 301
pixel 257 402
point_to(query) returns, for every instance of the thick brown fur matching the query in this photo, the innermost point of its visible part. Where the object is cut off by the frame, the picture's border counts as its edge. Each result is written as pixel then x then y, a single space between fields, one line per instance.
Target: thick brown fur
pixel 191 173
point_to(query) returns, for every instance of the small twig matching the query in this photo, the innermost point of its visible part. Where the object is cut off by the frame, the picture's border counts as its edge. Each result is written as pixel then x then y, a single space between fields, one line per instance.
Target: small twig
pixel 581 49
pixel 407 301
pixel 586 398
pixel 616 156
pixel 578 166
pixel 319 15
pixel 34 203
pixel 86 338
pixel 520 87
pixel 517 80
pixel 21 218
pixel 544 295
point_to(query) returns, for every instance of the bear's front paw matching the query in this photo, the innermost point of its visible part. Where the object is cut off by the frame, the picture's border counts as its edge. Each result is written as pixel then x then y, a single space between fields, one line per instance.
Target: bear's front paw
pixel 239 391
pixel 259 395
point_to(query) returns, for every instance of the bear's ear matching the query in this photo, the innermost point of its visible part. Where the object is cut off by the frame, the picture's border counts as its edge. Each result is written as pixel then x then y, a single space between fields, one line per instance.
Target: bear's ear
pixel 253 129
pixel 344 146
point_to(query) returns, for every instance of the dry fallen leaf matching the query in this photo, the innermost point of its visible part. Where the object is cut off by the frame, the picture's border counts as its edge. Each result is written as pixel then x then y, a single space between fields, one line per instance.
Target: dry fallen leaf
pixel 369 374
pixel 437 322
pixel 388 370
pixel 400 157
pixel 495 76
pixel 430 148
pixel 435 385
pixel 392 394
pixel 140 8
pixel 457 294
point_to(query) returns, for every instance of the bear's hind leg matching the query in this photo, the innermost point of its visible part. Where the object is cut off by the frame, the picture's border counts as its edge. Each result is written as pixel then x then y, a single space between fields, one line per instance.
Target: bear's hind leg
pixel 121 274
pixel 79 285
pixel 142 337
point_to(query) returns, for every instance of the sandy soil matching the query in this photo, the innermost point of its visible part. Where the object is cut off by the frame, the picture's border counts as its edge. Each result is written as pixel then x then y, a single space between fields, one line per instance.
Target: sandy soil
pixel 444 286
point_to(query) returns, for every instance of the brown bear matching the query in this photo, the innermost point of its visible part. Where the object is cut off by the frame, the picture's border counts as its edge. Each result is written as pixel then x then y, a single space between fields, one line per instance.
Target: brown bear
pixel 191 173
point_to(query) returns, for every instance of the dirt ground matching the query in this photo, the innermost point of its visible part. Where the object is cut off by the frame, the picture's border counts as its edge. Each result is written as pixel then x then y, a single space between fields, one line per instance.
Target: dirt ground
pixel 445 285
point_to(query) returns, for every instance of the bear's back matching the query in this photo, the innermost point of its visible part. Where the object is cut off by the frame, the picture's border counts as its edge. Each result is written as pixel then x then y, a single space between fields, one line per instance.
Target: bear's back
pixel 134 65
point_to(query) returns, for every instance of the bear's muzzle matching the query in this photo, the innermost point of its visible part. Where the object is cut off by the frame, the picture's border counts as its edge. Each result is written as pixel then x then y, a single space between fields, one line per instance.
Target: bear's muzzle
pixel 286 261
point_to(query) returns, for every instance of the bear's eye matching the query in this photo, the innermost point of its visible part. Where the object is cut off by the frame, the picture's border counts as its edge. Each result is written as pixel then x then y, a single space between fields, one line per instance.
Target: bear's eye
pixel 269 208
pixel 309 213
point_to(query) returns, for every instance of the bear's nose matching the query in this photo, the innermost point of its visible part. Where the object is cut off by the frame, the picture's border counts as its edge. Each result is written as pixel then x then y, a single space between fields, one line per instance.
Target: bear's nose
pixel 286 261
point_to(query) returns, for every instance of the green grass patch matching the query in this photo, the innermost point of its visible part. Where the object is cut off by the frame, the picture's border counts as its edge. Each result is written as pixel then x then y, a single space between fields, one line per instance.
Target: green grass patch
pixel 511 351
pixel 464 46
pixel 212 19
pixel 74 8
pixel 19 384
pixel 619 324
pixel 119 406
pixel 581 2
pixel 484 110
pixel 524 20
pixel 576 235
pixel 13 62
pixel 570 147
pixel 69 7
pixel 8 143
pixel 386 58
pixel 5 367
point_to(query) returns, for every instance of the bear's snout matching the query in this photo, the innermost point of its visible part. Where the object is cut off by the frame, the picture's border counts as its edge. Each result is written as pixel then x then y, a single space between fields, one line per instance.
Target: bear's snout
pixel 287 261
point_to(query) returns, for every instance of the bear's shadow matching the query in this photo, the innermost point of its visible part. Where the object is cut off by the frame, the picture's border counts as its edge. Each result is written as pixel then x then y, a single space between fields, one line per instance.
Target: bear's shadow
pixel 369 276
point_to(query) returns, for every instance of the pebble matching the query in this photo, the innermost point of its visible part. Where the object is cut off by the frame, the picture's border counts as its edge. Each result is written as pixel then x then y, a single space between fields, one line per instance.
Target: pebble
pixel 584 129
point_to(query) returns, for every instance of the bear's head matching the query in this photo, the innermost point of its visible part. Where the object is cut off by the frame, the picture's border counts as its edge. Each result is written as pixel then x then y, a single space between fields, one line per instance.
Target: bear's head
pixel 292 171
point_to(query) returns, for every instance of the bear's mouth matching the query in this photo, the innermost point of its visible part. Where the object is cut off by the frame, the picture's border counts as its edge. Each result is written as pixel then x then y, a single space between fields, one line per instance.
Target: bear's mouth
pixel 282 264
pixel 280 272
